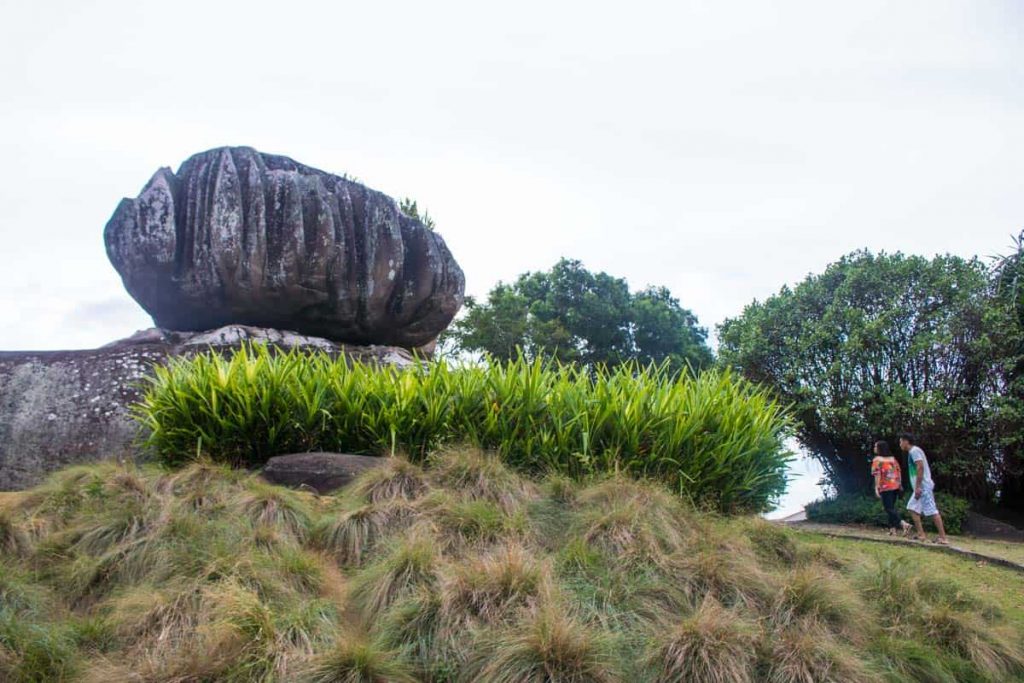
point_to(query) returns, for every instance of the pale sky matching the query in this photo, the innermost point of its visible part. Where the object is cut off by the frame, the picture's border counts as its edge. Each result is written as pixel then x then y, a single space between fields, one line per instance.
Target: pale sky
pixel 722 149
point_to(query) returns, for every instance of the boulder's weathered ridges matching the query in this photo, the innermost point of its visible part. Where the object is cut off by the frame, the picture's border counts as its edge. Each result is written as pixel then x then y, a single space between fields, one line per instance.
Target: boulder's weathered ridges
pixel 237 236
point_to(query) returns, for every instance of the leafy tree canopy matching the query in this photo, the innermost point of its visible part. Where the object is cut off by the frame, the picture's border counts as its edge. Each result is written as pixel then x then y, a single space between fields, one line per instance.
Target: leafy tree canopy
pixel 578 316
pixel 1006 325
pixel 875 345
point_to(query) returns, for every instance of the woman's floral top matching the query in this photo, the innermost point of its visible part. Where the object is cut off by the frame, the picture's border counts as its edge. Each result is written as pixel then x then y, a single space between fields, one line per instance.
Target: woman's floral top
pixel 887 473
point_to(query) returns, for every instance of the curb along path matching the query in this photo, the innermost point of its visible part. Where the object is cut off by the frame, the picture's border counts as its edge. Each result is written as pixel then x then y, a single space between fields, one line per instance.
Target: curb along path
pixel 827 530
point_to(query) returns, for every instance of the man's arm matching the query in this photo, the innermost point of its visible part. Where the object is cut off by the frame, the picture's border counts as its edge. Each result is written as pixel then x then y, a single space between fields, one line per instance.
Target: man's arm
pixel 919 479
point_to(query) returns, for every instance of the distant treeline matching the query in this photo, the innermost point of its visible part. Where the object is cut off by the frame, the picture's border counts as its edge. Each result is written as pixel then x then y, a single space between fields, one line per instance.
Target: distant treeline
pixel 874 345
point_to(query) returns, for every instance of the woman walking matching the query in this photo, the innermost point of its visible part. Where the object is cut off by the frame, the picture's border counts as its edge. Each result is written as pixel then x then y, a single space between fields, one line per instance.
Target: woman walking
pixel 888 483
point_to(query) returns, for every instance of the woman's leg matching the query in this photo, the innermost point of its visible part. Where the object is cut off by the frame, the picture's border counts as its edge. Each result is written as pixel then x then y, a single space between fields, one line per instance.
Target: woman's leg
pixel 889 501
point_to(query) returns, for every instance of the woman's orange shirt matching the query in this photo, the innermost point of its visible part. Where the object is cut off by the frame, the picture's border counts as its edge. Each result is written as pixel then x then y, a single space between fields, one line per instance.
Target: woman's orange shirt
pixel 887 472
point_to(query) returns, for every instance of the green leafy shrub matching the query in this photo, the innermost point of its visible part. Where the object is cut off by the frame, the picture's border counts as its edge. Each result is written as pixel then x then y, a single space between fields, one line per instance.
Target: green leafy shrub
pixel 861 509
pixel 714 438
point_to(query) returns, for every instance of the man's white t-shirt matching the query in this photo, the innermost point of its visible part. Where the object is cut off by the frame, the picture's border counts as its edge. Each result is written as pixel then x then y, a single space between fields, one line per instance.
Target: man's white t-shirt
pixel 921 462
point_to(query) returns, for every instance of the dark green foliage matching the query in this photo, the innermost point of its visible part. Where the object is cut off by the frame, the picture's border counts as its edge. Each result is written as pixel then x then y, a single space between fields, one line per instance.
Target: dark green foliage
pixel 875 345
pixel 1005 319
pixel 714 438
pixel 855 508
pixel 577 316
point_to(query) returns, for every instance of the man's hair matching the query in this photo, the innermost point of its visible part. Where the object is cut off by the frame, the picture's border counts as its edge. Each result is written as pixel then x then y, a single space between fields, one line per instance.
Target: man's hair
pixel 883 449
pixel 909 437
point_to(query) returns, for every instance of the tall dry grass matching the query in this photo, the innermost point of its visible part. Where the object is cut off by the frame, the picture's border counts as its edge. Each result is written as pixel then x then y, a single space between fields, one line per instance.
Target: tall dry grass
pixel 462 570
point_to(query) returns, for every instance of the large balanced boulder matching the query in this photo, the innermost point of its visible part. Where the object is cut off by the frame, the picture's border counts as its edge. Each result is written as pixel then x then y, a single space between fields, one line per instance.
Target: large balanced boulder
pixel 238 236
pixel 59 408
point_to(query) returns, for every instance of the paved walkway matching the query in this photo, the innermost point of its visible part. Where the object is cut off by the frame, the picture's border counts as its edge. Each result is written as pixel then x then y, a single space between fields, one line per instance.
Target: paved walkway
pixel 956 547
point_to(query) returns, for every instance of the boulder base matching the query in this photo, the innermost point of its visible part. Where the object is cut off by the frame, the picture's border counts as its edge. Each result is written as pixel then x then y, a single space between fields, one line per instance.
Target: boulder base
pixel 323 472
pixel 59 408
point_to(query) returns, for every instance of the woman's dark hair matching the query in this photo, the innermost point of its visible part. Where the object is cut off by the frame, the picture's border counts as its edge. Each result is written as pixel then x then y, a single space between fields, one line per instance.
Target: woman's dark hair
pixel 909 437
pixel 882 447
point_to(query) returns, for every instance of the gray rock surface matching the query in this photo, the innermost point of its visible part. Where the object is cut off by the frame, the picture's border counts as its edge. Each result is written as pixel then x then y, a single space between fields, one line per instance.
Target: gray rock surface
pixel 63 407
pixel 237 236
pixel 323 472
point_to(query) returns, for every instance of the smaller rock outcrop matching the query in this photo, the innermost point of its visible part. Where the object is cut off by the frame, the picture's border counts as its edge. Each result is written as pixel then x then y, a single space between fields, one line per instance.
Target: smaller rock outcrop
pixel 59 408
pixel 323 472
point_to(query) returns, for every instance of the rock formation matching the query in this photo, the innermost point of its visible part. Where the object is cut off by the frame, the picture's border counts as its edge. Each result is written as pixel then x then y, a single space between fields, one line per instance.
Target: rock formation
pixel 322 472
pixel 237 236
pixel 64 407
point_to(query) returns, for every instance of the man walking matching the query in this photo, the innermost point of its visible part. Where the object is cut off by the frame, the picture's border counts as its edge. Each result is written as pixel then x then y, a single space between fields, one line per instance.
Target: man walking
pixel 923 500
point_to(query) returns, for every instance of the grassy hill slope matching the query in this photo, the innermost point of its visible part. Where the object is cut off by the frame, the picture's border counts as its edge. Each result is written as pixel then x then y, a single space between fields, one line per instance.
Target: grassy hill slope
pixel 465 571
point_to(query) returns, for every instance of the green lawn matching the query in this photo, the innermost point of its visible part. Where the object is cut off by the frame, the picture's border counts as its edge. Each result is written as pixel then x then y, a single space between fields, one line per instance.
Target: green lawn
pixel 1014 552
pixel 993 584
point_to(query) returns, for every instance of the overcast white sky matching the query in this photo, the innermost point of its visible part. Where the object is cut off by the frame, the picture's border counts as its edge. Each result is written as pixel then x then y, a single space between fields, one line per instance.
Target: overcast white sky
pixel 722 149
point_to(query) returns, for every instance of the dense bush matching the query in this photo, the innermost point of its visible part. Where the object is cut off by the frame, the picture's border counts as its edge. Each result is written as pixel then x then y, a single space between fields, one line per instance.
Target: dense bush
pixel 860 509
pixel 715 438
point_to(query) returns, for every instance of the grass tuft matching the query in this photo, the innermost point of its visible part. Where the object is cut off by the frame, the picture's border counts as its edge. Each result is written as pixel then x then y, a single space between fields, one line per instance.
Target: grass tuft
pixel 32 652
pixel 460 522
pixel 633 522
pixel 491 588
pixel 991 650
pixel 772 542
pixel 713 645
pixel 414 625
pixel 350 535
pixel 805 652
pixel 395 479
pixel 810 593
pixel 14 540
pixel 548 645
pixel 481 476
pixel 412 562
pixel 904 659
pixel 357 659
pixel 727 572
pixel 265 504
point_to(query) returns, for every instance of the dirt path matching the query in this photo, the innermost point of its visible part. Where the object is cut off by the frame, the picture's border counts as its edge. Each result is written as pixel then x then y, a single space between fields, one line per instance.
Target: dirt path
pixel 1008 554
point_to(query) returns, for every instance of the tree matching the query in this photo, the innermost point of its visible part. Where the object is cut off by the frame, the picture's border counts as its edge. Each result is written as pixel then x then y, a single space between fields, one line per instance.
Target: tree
pixel 875 345
pixel 577 316
pixel 1006 320
pixel 665 331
